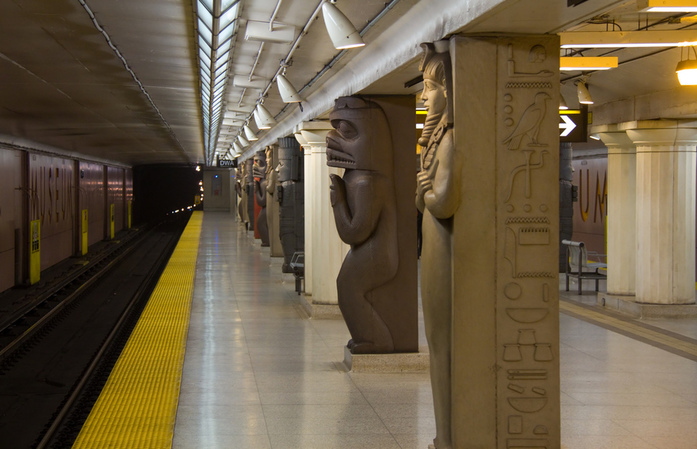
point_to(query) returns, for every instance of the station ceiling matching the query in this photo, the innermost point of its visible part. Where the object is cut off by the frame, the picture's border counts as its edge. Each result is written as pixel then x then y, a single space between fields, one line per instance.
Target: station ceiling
pixel 119 80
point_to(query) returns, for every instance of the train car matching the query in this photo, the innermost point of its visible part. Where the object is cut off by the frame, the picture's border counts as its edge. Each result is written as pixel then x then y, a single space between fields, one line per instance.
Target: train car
pixel 590 208
pixel 53 207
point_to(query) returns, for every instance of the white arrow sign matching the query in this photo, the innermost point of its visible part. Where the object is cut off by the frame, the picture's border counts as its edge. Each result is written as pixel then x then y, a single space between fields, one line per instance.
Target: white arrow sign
pixel 567 126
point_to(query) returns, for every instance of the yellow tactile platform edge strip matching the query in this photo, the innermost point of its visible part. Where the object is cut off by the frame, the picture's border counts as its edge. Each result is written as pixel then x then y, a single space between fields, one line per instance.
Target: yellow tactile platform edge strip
pixel 138 405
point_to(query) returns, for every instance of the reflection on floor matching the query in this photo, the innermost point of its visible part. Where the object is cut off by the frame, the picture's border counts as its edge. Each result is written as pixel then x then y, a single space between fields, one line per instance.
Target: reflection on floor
pixel 259 374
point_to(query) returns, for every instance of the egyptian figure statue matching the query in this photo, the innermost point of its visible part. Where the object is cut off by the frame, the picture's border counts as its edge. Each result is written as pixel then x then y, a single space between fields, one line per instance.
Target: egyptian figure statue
pixel 438 196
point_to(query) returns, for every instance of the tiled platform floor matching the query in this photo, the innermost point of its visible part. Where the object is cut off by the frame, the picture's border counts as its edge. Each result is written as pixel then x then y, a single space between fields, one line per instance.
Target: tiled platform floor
pixel 259 374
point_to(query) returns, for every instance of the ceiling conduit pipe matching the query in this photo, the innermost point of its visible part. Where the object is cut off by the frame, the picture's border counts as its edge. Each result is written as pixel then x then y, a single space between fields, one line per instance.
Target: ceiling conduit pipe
pixel 400 42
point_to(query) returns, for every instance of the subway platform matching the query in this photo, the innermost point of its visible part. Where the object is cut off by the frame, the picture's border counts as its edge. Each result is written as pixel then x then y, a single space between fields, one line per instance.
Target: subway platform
pixel 257 373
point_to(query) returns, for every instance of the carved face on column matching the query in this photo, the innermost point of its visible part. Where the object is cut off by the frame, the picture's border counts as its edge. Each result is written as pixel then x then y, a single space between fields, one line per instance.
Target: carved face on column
pixel 270 165
pixel 435 66
pixel 249 171
pixel 259 164
pixel 361 137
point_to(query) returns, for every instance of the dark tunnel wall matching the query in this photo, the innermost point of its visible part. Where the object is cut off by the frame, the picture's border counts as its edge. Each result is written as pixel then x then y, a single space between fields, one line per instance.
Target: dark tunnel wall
pixel 160 189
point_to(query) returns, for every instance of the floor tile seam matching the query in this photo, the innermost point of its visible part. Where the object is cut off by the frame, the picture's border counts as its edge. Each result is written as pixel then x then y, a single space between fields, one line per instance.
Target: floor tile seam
pixel 372 407
pixel 243 324
pixel 661 341
pixel 625 318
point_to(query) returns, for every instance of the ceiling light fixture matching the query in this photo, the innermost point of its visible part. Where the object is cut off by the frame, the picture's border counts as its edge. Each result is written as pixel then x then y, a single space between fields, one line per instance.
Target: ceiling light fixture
pixel 243 142
pixel 287 91
pixel 562 103
pixel 263 117
pixel 250 134
pixel 667 5
pixel 587 63
pixel 687 69
pixel 584 96
pixel 623 39
pixel 341 31
pixel 237 147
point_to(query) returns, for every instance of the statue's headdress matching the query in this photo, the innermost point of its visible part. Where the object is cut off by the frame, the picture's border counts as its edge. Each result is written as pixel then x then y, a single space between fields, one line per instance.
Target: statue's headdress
pixel 435 65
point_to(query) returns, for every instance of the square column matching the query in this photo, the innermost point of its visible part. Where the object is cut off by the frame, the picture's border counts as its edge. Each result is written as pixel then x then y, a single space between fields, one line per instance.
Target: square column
pixel 324 246
pixel 505 354
pixel 665 210
pixel 621 218
pixel 308 183
pixel 272 205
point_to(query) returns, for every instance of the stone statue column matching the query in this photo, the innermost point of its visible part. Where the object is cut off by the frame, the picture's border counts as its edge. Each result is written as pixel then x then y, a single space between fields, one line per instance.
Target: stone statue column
pixel 328 250
pixel 665 210
pixel 272 205
pixel 238 191
pixel 621 217
pixel 438 197
pixel 251 214
pixel 291 197
pixel 260 196
pixel 505 260
pixel 376 284
pixel 244 197
pixel 308 210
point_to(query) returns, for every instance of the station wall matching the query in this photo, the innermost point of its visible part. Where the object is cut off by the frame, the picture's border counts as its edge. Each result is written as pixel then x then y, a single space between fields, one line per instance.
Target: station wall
pixel 53 191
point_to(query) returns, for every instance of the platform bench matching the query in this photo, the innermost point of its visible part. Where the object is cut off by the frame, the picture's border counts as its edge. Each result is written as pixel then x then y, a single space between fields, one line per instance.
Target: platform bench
pixel 297 264
pixel 578 266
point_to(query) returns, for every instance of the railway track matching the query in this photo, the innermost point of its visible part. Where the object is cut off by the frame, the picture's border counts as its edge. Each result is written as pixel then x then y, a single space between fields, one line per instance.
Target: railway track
pixel 56 357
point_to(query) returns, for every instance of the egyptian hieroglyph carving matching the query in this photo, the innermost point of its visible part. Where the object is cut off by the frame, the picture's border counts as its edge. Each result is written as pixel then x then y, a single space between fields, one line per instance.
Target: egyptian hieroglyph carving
pixel 260 195
pixel 438 196
pixel 528 345
pixel 364 205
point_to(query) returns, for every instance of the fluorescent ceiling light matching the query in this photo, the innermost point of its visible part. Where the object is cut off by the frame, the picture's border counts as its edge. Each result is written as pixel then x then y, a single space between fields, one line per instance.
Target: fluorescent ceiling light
pixel 667 5
pixel 585 63
pixel 620 39
pixel 262 31
pixel 245 83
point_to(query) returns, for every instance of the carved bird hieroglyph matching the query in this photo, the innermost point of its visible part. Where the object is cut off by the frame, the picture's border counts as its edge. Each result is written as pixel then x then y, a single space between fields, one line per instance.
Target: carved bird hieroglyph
pixel 529 124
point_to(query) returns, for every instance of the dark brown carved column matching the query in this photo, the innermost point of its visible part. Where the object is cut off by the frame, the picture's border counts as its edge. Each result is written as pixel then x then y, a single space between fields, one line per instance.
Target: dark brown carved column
pixel 260 195
pixel 290 195
pixel 377 281
pixel 249 188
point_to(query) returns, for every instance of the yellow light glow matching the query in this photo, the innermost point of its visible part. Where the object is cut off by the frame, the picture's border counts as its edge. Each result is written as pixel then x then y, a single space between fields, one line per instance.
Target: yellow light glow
pixel 667 5
pixel 587 63
pixel 624 39
pixel 687 77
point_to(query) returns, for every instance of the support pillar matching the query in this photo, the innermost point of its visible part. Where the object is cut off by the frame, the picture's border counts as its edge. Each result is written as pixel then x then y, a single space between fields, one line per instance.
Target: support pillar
pixel 272 205
pixel 308 185
pixel 505 354
pixel 327 251
pixel 665 210
pixel 621 218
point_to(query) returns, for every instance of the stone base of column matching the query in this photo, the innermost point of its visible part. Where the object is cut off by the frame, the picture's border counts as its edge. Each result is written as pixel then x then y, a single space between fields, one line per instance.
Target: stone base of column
pixel 318 311
pixel 628 306
pixel 405 362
